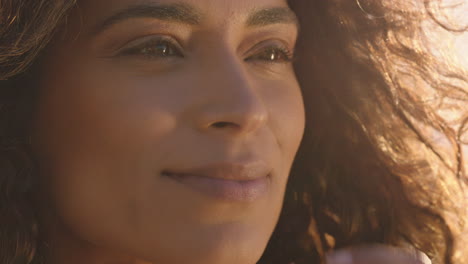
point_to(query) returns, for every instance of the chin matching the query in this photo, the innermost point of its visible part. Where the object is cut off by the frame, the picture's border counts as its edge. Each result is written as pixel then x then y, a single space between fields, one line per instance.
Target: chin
pixel 226 255
pixel 236 246
pixel 241 248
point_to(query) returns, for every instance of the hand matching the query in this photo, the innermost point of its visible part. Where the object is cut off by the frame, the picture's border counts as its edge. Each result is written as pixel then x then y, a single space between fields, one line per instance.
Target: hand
pixel 377 254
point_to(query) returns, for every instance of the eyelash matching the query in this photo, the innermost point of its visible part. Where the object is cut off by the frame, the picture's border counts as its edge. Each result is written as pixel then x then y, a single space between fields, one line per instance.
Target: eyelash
pixel 274 53
pixel 145 49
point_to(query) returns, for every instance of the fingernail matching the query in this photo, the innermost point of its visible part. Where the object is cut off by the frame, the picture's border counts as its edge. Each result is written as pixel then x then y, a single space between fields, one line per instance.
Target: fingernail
pixel 340 257
pixel 423 258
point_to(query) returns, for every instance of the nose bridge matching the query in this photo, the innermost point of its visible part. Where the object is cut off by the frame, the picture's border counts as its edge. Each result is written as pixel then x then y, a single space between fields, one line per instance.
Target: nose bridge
pixel 234 102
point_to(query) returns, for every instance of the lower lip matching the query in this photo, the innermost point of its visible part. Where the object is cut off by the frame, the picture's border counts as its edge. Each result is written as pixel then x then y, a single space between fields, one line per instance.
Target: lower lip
pixel 229 190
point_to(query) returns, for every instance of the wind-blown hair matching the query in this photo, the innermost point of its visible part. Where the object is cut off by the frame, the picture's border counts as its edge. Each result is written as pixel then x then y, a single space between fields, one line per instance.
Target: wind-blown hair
pixel 368 170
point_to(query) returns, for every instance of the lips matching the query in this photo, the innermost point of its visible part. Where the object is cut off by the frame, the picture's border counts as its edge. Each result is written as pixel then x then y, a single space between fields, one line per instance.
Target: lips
pixel 226 181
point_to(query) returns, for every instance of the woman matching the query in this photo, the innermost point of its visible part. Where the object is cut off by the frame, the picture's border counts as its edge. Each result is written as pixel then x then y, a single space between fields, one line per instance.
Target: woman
pixel 164 132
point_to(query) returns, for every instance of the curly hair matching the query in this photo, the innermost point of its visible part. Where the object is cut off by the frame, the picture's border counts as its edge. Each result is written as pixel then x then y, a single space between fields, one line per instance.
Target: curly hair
pixel 368 170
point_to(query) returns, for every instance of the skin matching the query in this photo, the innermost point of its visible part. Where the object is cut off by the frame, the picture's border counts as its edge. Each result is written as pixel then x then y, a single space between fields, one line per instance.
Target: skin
pixel 382 254
pixel 110 119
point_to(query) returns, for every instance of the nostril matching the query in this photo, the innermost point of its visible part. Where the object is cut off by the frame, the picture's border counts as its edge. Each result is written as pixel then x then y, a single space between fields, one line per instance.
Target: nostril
pixel 222 124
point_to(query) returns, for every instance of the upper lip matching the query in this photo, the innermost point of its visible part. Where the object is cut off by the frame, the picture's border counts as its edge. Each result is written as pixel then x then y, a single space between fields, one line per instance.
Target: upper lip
pixel 225 170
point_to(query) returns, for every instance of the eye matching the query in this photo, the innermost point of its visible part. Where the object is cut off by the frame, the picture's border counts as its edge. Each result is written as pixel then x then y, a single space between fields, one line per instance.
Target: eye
pixel 272 54
pixel 153 48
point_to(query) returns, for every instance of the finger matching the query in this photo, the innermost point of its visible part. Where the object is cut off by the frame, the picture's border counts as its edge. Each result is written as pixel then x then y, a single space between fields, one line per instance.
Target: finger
pixel 377 254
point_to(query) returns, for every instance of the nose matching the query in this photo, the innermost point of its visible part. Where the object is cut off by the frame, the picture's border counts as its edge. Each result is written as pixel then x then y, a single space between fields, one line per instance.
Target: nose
pixel 233 105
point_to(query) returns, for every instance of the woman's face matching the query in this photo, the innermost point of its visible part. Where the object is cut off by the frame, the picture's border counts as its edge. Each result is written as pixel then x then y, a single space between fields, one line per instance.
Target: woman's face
pixel 166 130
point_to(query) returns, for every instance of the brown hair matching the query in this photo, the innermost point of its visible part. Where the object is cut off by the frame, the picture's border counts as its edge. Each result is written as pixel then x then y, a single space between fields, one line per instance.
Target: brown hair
pixel 367 171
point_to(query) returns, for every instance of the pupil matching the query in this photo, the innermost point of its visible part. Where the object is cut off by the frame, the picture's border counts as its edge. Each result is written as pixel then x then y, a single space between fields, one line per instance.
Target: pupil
pixel 272 56
pixel 162 49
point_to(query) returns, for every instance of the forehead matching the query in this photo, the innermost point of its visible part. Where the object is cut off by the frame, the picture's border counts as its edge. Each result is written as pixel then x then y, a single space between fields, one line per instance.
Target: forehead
pixel 228 11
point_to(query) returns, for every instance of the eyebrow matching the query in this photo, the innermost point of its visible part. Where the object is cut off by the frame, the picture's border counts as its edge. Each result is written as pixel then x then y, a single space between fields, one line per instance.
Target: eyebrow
pixel 181 13
pixel 276 15
pixel 187 14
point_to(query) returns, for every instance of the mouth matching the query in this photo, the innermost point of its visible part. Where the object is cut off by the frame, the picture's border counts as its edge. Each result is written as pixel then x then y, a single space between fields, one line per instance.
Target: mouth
pixel 227 182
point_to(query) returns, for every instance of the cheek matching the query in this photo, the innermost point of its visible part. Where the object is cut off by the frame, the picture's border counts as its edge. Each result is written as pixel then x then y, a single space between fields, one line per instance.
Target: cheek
pixel 101 116
pixel 94 133
pixel 287 116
